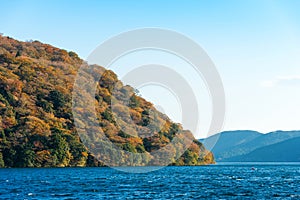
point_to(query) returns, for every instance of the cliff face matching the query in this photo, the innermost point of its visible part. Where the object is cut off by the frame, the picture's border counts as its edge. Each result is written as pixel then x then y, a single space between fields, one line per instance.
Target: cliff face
pixel 36 121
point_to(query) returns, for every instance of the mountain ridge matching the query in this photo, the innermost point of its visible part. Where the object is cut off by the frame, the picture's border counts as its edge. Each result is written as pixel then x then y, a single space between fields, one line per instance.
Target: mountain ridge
pixel 285 151
pixel 233 151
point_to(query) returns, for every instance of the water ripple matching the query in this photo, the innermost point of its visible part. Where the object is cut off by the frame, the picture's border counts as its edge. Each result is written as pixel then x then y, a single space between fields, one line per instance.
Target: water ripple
pixel 213 182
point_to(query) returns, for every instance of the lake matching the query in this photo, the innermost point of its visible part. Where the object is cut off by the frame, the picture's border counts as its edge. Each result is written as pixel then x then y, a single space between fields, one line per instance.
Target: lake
pixel 221 181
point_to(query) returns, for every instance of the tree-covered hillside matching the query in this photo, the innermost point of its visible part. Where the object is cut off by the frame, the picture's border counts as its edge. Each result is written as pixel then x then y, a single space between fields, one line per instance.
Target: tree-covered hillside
pixel 36 122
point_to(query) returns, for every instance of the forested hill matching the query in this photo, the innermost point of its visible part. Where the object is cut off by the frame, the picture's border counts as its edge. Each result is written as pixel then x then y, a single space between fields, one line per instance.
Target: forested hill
pixel 36 122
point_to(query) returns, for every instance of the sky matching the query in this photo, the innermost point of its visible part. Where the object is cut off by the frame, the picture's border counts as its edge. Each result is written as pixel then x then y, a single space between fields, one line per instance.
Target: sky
pixel 255 46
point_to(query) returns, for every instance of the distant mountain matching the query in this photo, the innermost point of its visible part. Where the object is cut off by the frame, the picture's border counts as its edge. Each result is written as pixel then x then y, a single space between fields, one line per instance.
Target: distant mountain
pixel 235 145
pixel 37 125
pixel 225 141
pixel 286 151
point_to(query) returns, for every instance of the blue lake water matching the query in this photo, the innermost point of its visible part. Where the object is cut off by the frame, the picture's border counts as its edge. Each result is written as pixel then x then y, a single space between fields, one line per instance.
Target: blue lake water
pixel 222 181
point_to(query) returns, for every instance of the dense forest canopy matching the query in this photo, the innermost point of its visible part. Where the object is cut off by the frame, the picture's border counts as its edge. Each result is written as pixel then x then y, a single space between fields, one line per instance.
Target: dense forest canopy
pixel 36 120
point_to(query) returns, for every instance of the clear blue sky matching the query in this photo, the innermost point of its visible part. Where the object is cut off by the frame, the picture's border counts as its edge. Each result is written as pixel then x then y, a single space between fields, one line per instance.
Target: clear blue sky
pixel 254 44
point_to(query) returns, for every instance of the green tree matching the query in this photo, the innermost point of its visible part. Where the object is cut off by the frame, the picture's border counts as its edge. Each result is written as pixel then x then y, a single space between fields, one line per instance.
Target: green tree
pixel 19 53
pixel 60 148
pixel 123 134
pixel 1 160
pixel 128 147
pixel 28 158
pixel 134 101
pixel 57 98
pixel 77 149
pixel 9 155
pixel 108 116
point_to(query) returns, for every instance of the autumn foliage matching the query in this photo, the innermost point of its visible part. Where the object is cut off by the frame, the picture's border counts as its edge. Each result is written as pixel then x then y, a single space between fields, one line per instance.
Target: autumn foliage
pixel 36 122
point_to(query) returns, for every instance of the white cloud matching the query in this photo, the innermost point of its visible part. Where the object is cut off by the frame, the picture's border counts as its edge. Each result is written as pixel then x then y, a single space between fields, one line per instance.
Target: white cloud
pixel 292 80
